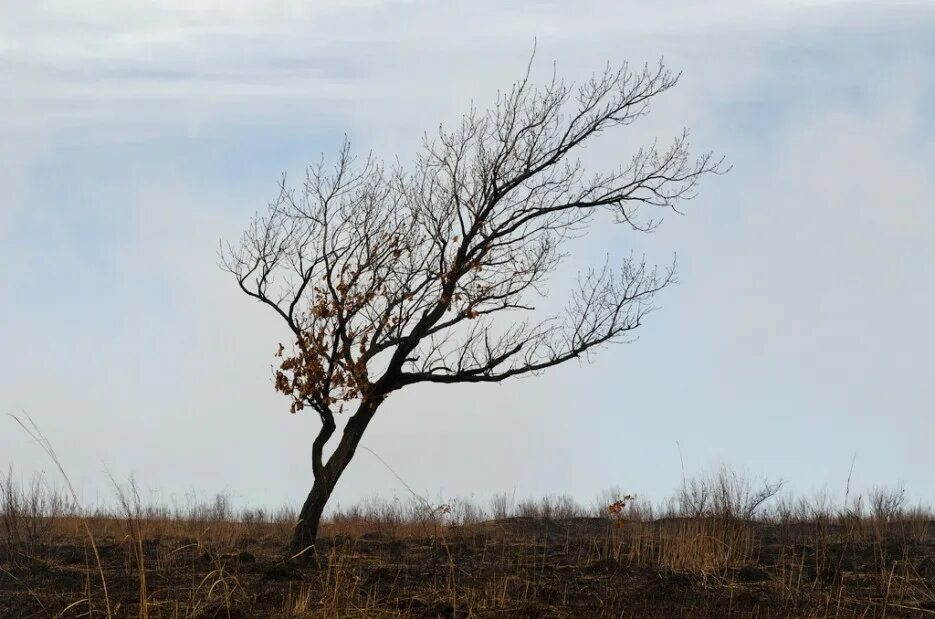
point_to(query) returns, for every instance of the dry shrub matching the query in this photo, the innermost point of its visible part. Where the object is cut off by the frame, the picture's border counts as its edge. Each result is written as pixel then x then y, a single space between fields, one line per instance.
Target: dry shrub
pixel 707 528
pixel 501 506
pixel 554 507
pixel 725 494
pixel 887 504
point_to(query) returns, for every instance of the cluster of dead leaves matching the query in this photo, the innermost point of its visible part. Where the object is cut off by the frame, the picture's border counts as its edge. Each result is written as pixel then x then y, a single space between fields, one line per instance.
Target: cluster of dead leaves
pixel 615 509
pixel 307 379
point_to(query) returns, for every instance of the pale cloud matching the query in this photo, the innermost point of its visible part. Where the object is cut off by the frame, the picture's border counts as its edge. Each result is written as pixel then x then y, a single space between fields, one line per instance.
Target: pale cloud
pixel 135 137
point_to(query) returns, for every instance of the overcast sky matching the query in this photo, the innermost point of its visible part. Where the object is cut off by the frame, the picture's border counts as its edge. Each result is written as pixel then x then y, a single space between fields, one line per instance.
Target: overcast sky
pixel 133 138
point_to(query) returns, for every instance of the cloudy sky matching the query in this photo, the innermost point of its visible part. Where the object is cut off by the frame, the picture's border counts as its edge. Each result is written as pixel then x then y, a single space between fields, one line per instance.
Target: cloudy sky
pixel 134 138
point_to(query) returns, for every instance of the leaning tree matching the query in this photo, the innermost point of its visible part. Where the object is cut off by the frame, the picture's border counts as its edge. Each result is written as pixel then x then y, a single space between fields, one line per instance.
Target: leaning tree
pixel 390 276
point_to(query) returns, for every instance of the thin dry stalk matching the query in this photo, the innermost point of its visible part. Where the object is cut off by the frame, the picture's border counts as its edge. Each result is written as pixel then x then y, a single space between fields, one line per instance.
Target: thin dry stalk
pixel 36 434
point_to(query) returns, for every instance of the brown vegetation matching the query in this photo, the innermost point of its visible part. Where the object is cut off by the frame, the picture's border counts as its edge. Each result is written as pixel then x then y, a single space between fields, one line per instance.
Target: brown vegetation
pixel 710 551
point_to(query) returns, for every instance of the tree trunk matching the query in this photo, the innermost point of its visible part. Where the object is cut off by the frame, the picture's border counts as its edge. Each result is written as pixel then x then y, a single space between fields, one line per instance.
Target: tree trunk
pixel 306 529
pixel 326 477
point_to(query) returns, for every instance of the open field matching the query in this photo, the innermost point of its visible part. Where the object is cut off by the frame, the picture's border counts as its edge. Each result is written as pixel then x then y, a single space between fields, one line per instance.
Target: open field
pixel 550 557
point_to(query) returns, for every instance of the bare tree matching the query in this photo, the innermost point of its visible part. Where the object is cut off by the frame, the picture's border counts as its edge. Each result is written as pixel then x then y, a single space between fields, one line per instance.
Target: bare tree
pixel 390 276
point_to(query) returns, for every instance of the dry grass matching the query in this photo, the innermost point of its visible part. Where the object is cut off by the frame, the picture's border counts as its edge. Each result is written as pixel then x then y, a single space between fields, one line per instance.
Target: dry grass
pixel 719 548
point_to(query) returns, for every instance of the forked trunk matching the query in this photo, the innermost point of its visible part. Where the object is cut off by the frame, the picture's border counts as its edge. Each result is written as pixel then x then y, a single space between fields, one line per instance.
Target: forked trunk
pixel 326 478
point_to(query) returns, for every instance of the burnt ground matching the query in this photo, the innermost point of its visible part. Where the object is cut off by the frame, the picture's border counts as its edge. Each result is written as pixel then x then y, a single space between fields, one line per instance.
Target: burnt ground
pixel 583 567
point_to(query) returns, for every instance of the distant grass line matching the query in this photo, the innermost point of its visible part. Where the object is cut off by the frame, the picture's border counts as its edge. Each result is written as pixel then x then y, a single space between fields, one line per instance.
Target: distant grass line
pixel 724 493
